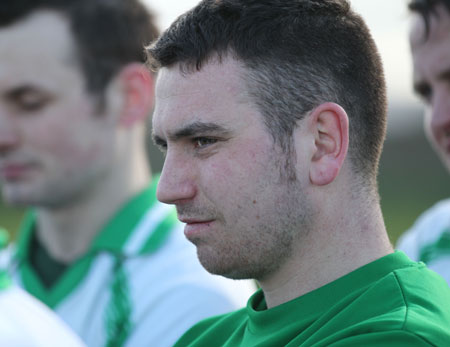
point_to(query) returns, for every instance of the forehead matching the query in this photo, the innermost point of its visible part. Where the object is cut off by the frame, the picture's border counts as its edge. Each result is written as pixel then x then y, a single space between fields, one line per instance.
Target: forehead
pixel 432 51
pixel 36 49
pixel 217 89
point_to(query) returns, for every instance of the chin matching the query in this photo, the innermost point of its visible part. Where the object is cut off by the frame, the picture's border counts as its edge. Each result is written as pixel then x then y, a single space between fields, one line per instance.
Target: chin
pixel 224 267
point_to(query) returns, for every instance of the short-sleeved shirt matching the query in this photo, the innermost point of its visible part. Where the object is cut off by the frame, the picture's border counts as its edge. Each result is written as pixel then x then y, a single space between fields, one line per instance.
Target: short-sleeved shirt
pixel 429 239
pixel 139 284
pixel 392 301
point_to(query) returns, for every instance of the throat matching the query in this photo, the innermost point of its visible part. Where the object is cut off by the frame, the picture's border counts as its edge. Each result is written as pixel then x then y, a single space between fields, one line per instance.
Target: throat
pixel 48 269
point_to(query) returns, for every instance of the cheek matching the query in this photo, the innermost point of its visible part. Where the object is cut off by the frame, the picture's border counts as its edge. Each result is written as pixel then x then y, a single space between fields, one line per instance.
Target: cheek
pixel 239 164
pixel 75 144
pixel 237 180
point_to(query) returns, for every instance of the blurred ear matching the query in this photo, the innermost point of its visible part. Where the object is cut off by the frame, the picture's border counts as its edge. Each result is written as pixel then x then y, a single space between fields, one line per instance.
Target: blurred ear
pixel 138 93
pixel 329 125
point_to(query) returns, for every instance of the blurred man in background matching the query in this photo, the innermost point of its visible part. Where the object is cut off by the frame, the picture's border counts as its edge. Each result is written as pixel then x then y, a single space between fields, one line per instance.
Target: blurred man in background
pixel 96 247
pixel 429 238
pixel 272 115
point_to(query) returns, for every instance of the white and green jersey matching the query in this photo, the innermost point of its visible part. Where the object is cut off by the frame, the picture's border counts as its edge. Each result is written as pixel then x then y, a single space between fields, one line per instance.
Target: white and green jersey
pixel 139 284
pixel 429 239
pixel 24 321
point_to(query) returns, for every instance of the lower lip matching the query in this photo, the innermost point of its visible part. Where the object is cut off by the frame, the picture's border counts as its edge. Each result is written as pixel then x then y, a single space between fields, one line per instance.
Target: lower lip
pixel 194 229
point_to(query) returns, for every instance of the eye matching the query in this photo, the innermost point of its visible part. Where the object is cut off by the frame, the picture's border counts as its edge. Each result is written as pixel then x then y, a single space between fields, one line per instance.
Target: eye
pixel 202 142
pixel 160 143
pixel 28 99
pixel 425 92
pixel 32 105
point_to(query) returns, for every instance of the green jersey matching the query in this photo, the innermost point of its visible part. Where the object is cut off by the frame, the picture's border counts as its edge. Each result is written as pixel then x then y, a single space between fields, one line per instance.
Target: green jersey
pixel 389 302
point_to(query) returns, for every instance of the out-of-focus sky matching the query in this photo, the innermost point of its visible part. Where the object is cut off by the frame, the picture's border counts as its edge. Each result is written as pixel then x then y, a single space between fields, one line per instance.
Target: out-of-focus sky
pixel 387 20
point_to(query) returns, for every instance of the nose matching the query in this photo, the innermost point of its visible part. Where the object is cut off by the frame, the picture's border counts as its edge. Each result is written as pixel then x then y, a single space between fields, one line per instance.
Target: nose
pixel 177 181
pixel 9 136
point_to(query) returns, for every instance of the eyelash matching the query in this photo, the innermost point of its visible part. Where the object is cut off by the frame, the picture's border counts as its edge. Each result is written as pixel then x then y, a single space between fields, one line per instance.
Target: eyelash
pixel 209 141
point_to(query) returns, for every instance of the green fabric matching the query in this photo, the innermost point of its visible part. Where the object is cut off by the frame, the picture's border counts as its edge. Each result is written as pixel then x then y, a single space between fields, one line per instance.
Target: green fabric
pixel 63 285
pixel 5 281
pixel 118 313
pixel 118 229
pixel 389 302
pixel 437 249
pixel 46 267
pixel 111 238
pixel 4 238
pixel 160 234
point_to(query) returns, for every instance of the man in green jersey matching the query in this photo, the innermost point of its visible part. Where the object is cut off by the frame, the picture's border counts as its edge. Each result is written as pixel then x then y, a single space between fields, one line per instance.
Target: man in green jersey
pixel 272 116
pixel 96 246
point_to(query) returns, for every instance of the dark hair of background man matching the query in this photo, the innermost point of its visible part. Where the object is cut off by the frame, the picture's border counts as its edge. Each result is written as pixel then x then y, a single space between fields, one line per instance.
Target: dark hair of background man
pixel 108 33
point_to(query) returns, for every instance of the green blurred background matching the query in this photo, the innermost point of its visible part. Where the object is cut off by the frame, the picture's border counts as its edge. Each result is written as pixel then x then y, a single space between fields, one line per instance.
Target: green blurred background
pixel 411 176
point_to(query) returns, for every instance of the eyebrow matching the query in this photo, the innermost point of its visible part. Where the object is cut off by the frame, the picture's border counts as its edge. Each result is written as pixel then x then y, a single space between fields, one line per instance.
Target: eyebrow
pixel 192 130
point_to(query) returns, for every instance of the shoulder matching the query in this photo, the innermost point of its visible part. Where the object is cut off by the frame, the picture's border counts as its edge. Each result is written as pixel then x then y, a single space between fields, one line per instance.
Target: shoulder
pixel 26 321
pixel 422 305
pixel 427 229
pixel 408 306
pixel 215 330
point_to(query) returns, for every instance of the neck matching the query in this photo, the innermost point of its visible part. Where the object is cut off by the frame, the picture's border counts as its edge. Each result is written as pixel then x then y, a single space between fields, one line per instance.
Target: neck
pixel 337 244
pixel 68 232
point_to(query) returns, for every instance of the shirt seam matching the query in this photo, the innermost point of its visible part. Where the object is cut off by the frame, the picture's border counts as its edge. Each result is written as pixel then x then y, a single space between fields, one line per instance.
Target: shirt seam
pixel 404 328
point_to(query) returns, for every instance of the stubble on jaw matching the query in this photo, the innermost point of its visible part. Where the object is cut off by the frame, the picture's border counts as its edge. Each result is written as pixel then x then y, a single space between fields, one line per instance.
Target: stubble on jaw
pixel 260 250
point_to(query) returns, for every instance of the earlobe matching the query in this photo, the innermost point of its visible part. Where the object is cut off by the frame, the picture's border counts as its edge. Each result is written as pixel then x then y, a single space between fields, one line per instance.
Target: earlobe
pixel 138 91
pixel 330 127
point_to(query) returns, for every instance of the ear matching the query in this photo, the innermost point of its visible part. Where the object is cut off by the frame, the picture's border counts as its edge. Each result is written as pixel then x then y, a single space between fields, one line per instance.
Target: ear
pixel 329 125
pixel 138 90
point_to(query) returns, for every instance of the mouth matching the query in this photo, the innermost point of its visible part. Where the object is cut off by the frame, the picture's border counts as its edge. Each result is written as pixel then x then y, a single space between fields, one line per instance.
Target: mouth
pixel 11 172
pixel 196 227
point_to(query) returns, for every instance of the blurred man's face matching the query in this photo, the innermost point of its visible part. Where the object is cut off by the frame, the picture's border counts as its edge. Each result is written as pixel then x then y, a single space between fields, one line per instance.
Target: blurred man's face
pixel 53 145
pixel 431 59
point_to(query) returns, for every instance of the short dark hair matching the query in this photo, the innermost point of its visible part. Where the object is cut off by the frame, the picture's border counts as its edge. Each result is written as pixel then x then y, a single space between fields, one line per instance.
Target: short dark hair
pixel 427 8
pixel 297 54
pixel 108 33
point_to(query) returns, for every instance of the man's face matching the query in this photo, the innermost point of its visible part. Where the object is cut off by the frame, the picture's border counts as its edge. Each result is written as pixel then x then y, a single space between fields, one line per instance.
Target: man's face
pixel 53 147
pixel 431 59
pixel 222 171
